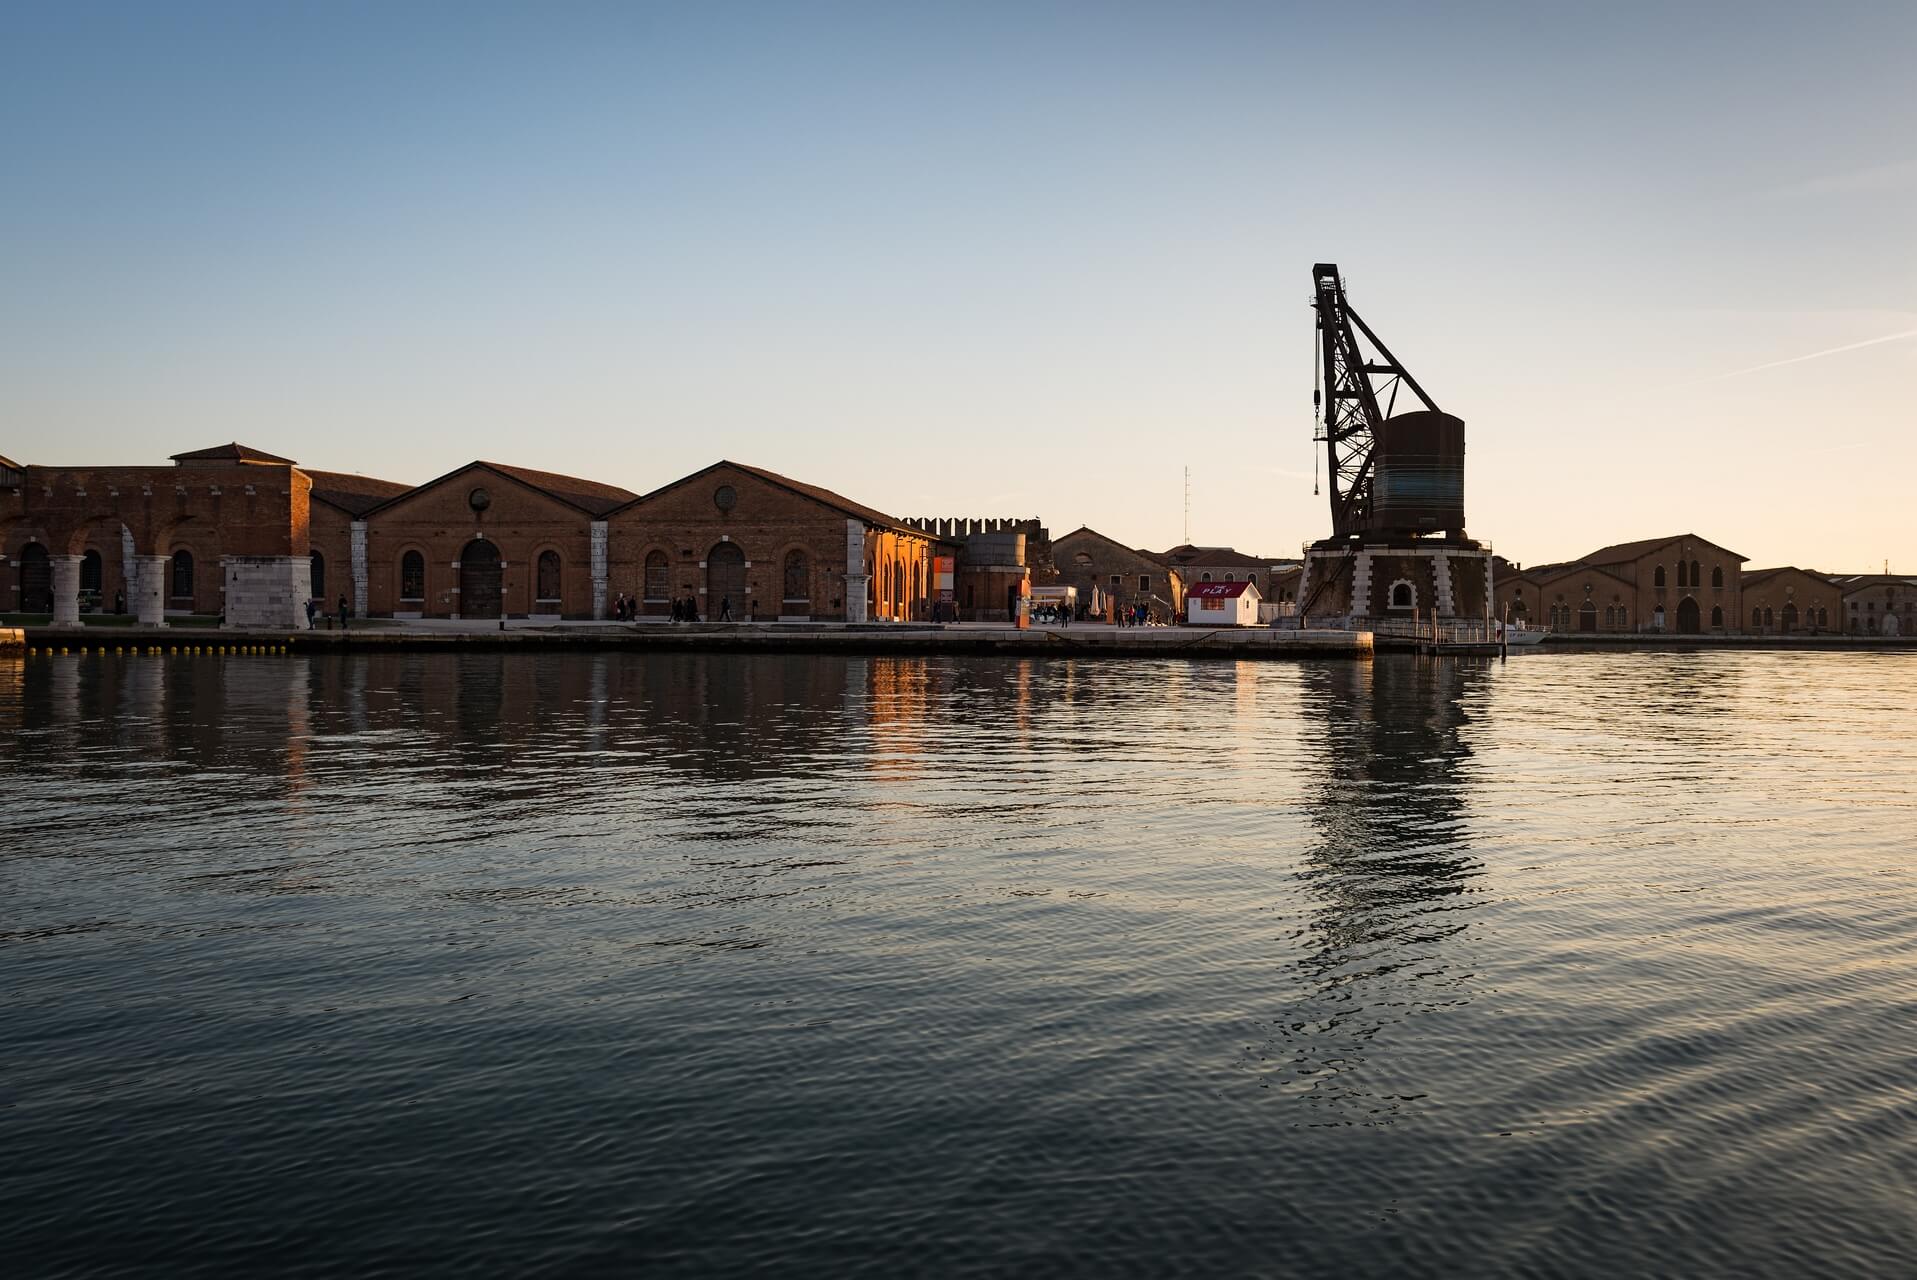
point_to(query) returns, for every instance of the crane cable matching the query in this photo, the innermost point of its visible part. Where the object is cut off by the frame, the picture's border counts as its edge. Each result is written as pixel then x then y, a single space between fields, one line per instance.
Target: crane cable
pixel 1317 408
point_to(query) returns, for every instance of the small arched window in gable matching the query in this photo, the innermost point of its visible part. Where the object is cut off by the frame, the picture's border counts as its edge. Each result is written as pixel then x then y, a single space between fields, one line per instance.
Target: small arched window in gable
pixel 1657 577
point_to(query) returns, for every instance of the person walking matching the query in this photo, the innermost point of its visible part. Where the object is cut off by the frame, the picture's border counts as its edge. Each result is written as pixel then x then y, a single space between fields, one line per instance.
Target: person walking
pixel 312 611
pixel 725 608
pixel 342 611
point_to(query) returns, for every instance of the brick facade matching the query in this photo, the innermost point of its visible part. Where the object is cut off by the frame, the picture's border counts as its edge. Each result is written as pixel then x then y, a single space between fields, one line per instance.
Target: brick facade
pixel 1790 600
pixel 1088 560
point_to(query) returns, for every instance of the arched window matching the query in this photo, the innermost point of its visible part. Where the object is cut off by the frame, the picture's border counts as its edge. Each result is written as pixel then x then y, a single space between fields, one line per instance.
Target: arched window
pixel 548 577
pixel 1768 616
pixel 1081 560
pixel 182 575
pixel 798 579
pixel 1229 578
pixel 1695 579
pixel 1717 616
pixel 412 576
pixel 656 575
pixel 1717 575
pixel 1657 576
pixel 318 589
pixel 1206 577
pixel 92 574
pixel 1402 595
pixel 1823 617
pixel 1757 617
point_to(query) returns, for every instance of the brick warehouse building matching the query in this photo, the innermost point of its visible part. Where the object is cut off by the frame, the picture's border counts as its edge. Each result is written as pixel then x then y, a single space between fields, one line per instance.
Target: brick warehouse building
pixel 223 529
pixel 250 535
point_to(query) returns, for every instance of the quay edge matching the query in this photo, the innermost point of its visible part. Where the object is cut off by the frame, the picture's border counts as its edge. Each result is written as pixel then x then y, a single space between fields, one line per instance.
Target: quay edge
pixel 871 639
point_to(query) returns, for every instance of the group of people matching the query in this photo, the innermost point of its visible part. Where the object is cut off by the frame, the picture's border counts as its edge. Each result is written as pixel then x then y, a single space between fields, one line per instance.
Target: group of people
pixel 314 609
pixel 625 608
pixel 1135 615
pixel 687 610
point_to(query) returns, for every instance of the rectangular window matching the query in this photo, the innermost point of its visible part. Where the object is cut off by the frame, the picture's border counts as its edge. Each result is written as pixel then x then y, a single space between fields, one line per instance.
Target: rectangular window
pixel 1116 580
pixel 1144 582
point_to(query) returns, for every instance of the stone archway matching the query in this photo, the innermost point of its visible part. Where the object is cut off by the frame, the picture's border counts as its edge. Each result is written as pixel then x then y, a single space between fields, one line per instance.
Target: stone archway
pixel 725 582
pixel 479 580
pixel 1688 621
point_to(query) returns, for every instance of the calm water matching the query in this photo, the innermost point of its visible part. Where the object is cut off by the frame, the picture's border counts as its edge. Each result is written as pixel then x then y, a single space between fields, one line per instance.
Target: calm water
pixel 1588 964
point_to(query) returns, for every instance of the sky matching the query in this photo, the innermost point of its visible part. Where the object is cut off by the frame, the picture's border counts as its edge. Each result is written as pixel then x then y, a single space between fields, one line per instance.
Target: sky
pixel 987 259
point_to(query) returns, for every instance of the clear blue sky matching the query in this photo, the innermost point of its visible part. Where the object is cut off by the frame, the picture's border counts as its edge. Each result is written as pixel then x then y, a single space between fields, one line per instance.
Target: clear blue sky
pixel 985 259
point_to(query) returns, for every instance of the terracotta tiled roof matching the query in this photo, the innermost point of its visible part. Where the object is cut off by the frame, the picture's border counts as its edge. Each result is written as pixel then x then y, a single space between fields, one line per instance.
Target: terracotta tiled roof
pixel 1221 556
pixel 829 498
pixel 353 494
pixel 1619 552
pixel 589 495
pixel 837 501
pixel 234 452
pixel 1090 532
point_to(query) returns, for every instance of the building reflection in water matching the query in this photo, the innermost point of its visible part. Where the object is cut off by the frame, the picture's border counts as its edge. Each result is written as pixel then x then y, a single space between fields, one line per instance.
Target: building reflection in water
pixel 1389 878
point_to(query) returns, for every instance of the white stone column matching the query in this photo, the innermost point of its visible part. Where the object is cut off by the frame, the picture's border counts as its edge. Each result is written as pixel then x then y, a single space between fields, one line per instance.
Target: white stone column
pixel 1441 577
pixel 599 570
pixel 358 532
pixel 146 589
pixel 66 590
pixel 128 570
pixel 857 580
pixel 856 586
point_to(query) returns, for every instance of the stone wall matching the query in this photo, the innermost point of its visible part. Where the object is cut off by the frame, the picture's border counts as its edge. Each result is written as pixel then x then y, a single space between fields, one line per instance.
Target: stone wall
pixel 266 591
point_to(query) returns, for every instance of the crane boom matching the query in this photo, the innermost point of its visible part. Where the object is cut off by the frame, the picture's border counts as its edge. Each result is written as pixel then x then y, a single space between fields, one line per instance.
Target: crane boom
pixel 1354 382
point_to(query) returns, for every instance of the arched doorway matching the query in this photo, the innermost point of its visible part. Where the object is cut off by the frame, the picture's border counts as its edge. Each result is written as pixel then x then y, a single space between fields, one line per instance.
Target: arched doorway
pixel 92 581
pixel 725 582
pixel 1688 621
pixel 479 579
pixel 1587 616
pixel 36 580
pixel 1790 617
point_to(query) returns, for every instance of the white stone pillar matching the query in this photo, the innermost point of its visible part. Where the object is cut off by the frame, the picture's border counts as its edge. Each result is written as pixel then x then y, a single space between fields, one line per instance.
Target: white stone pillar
pixel 857 580
pixel 599 570
pixel 856 585
pixel 128 570
pixel 66 590
pixel 147 590
pixel 1441 577
pixel 358 531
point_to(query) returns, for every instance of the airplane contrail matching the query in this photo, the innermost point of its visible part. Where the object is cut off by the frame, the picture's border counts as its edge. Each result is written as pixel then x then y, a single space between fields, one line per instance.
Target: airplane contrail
pixel 1815 355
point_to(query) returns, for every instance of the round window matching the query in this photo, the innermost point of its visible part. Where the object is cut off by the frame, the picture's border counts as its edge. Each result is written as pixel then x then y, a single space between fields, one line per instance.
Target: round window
pixel 725 498
pixel 479 499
